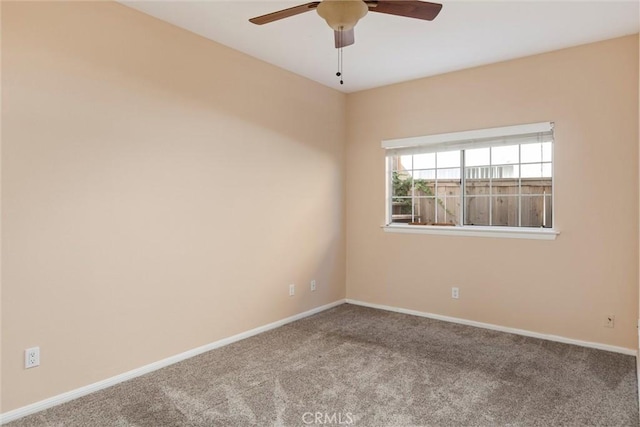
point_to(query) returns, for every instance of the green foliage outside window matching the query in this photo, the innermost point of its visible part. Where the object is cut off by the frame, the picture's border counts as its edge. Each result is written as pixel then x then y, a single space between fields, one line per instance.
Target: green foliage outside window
pixel 402 192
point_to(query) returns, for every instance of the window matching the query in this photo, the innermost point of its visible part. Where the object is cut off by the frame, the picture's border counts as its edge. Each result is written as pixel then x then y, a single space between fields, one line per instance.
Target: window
pixel 489 178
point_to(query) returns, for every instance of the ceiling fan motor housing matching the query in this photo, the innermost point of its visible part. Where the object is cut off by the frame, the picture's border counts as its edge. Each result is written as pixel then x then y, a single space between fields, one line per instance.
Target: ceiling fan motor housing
pixel 342 15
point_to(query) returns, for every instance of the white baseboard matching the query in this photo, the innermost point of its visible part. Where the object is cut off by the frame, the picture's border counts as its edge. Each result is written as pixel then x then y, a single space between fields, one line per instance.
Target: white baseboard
pixel 615 349
pixel 91 388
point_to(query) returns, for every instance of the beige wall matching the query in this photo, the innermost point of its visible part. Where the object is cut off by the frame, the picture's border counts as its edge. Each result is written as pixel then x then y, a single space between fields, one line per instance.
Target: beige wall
pixel 135 156
pixel 563 287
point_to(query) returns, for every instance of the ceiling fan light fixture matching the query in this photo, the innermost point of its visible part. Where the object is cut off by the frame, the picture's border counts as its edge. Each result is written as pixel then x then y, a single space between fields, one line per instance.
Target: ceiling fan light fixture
pixel 342 15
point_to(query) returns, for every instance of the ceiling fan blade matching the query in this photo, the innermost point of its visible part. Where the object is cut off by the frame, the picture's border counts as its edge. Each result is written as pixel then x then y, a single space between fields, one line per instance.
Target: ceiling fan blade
pixel 285 13
pixel 409 8
pixel 344 38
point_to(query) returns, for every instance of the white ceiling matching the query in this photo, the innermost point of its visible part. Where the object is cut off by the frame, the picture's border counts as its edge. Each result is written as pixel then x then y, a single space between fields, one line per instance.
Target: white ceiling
pixel 391 49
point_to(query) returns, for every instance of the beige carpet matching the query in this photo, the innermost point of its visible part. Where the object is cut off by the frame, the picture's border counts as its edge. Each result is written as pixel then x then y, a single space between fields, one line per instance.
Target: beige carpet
pixel 363 367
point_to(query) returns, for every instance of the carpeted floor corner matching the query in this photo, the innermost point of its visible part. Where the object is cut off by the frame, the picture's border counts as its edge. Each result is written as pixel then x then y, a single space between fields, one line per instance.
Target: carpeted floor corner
pixel 363 367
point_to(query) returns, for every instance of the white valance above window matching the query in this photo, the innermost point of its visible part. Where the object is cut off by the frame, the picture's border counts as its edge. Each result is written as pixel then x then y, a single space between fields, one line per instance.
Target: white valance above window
pixel 508 135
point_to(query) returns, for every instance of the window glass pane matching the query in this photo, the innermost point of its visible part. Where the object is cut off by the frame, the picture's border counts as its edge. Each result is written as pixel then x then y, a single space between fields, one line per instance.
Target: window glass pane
pixel 507 171
pixel 448 209
pixel 425 210
pixel 546 151
pixel 477 157
pixel 533 208
pixel 449 173
pixel 478 172
pixel 531 153
pixel 394 163
pixel 424 187
pixel 406 163
pixel 424 174
pixel 532 171
pixel 507 187
pixel 448 203
pixel 401 163
pixel 537 186
pixel 476 200
pixel 449 188
pixel 401 184
pixel 476 210
pixel 402 205
pixel 401 210
pixel 505 155
pixel 537 170
pixel 475 187
pixel 504 210
pixel 424 161
pixel 548 210
pixel 449 159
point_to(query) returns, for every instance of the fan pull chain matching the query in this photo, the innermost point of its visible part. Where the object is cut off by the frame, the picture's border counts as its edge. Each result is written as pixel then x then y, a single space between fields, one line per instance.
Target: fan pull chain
pixel 341 65
pixel 340 57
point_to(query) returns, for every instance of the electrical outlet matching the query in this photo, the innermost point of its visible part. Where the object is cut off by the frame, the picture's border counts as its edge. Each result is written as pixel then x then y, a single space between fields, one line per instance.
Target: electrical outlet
pixel 455 293
pixel 32 357
pixel 313 285
pixel 609 321
pixel 292 290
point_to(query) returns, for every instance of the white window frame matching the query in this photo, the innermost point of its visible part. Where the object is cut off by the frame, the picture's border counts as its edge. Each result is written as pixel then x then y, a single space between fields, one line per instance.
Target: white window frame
pixel 461 141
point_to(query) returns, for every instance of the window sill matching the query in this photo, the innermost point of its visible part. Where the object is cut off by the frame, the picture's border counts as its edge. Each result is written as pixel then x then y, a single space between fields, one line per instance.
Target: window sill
pixel 475 231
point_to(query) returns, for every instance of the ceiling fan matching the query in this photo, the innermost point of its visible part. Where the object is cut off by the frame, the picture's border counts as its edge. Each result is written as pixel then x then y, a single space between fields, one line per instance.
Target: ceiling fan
pixel 343 15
